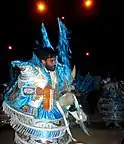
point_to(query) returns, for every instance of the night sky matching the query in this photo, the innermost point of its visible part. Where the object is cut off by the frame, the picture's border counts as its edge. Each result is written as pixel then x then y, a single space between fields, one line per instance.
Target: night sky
pixel 97 30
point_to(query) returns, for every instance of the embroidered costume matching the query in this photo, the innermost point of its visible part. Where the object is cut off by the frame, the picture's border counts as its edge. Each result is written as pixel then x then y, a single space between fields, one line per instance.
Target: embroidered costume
pixel 44 119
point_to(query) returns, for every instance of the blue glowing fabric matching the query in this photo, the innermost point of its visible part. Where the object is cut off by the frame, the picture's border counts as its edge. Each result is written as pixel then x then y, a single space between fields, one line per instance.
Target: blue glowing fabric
pixel 23 100
pixel 87 82
pixel 21 64
pixel 63 69
pixel 44 134
pixel 46 41
pixel 63 72
pixel 63 44
pixel 53 114
pixel 84 84
pixel 78 81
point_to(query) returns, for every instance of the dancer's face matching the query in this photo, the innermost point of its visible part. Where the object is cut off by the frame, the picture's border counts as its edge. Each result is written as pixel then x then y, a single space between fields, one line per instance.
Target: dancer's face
pixel 50 63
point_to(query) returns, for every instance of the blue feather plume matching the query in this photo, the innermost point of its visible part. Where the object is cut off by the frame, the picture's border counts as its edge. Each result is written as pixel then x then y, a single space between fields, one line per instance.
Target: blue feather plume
pixel 63 67
pixel 63 44
pixel 46 41
pixel 87 83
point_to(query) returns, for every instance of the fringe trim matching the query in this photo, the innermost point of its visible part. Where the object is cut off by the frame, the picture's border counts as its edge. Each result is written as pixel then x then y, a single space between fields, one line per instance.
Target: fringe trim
pixel 27 119
pixel 28 129
pixel 18 140
pixel 82 117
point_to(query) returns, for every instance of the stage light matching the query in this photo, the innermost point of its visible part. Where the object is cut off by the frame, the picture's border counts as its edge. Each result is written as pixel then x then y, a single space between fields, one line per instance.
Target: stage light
pixel 41 7
pixel 87 54
pixel 10 47
pixel 63 17
pixel 88 3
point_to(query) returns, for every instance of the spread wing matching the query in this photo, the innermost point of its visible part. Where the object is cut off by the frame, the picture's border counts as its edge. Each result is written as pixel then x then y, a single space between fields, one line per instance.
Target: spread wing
pixel 63 62
pixel 45 41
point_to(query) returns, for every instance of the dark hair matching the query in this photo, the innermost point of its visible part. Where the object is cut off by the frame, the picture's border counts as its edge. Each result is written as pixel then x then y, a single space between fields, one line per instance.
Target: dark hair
pixel 45 53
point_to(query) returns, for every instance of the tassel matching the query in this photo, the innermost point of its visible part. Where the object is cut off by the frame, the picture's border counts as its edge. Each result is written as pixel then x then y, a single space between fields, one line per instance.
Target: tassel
pixel 66 123
pixel 82 116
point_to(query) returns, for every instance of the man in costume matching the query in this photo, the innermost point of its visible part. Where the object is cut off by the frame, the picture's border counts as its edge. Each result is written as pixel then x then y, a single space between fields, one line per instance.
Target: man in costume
pixel 38 102
pixel 111 104
pixel 48 59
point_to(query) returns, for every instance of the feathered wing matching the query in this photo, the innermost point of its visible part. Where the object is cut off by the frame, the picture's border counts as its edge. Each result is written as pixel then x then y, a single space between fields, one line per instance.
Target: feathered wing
pixel 87 84
pixel 21 64
pixel 46 42
pixel 63 64
pixel 63 44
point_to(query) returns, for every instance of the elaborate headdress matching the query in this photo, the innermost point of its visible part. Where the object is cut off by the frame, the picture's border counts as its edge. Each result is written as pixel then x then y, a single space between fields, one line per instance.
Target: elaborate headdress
pixel 63 67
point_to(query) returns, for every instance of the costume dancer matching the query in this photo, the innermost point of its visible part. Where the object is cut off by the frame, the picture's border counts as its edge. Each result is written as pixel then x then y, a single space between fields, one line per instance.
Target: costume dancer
pixel 112 103
pixel 39 101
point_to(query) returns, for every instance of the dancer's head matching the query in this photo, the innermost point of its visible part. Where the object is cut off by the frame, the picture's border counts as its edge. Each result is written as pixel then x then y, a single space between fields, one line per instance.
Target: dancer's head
pixel 48 58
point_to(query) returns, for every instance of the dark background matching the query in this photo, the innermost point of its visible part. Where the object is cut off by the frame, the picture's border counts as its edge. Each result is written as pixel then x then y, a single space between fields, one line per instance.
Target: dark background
pixel 98 30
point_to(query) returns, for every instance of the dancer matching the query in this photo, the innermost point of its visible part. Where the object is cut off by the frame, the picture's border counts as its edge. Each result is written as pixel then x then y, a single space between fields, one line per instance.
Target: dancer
pixel 38 103
pixel 111 103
